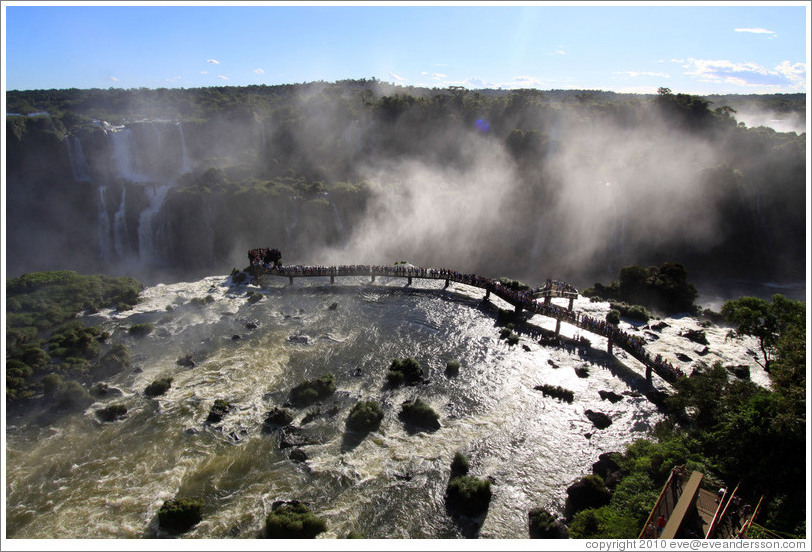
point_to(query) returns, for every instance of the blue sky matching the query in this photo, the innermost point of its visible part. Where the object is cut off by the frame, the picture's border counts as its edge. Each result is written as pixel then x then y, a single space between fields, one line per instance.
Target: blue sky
pixel 695 48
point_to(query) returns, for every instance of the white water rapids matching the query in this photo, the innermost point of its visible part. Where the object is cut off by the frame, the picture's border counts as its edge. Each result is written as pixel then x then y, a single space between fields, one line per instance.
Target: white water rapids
pixel 72 476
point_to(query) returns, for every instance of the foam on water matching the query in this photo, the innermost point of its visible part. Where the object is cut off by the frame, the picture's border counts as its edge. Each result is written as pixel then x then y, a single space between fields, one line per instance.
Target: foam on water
pixel 77 477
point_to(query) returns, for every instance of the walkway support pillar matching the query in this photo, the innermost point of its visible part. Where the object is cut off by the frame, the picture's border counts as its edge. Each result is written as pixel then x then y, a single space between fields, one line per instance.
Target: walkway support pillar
pixel 291 279
pixel 609 345
pixel 332 279
pixel 518 308
pixel 557 326
pixel 648 372
pixel 373 279
pixel 409 281
pixel 446 285
pixel 547 298
pixel 487 293
pixel 572 300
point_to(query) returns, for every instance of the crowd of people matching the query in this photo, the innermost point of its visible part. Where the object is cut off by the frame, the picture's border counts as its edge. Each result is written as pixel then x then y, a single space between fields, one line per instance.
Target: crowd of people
pixel 524 298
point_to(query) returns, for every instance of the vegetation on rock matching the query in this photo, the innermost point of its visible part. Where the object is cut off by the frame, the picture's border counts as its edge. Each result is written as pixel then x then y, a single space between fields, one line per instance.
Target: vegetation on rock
pixel 181 514
pixel 365 416
pixel 158 387
pixel 468 495
pixel 404 370
pixel 311 391
pixel 293 521
pixel 219 409
pixel 418 413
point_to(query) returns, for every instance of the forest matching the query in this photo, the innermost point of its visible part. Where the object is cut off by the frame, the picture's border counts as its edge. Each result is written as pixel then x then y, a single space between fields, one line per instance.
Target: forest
pixel 577 182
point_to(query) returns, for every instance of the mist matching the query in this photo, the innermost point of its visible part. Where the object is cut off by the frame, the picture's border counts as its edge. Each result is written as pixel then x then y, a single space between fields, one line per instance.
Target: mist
pixel 526 184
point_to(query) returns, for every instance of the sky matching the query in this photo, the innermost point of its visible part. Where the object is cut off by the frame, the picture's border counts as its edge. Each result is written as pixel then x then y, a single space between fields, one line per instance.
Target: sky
pixel 695 48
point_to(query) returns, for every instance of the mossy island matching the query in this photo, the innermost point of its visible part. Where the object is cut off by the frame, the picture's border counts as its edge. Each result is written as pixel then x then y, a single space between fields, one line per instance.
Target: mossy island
pixel 404 371
pixel 452 367
pixel 292 520
pixel 311 391
pixel 468 495
pixel 158 387
pixel 364 417
pixel 544 525
pixel 181 514
pixel 112 412
pixel 418 414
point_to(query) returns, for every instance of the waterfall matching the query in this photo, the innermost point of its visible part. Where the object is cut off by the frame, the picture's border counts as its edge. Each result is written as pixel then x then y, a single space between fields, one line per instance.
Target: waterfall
pixel 264 139
pixel 123 157
pixel 186 165
pixel 105 246
pixel 120 226
pixel 146 222
pixel 336 218
pixel 78 162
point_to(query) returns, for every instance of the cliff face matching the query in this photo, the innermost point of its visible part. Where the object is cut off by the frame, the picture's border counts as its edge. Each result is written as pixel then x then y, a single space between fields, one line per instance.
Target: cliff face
pixel 191 198
pixel 143 196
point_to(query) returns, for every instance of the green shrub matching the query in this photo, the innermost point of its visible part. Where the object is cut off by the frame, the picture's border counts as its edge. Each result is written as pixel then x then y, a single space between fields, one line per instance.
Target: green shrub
pixel 293 521
pixel 637 312
pixel 141 330
pixel 468 495
pixel 404 370
pixel 603 523
pixel 452 367
pixel 158 387
pixel 418 413
pixel 355 535
pixel 512 339
pixel 582 372
pixel 201 301
pixel 73 395
pixel 365 416
pixel 116 359
pixel 544 525
pixel 253 296
pixel 181 514
pixel 52 383
pixel 460 464
pixel 238 277
pixel 112 412
pixel 613 317
pixel 310 391
pixel 588 492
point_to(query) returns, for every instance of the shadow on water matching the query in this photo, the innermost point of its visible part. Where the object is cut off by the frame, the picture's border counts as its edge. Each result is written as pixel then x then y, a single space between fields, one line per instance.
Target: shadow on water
pixel 352 439
pixel 469 527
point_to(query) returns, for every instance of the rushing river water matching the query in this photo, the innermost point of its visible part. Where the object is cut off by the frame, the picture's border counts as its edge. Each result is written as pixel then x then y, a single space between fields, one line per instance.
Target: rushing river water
pixel 76 477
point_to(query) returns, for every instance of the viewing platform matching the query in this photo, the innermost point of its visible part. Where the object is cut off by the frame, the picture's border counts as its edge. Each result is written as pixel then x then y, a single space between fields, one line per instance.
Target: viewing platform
pixel 533 300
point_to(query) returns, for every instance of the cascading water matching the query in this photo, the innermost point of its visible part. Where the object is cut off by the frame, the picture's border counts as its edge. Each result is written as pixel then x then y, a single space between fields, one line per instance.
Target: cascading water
pixel 78 162
pixel 186 164
pixel 123 155
pixel 147 231
pixel 105 244
pixel 120 237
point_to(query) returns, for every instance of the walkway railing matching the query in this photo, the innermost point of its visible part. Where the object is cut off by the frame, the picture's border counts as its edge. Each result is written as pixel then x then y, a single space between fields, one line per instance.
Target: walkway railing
pixel 521 299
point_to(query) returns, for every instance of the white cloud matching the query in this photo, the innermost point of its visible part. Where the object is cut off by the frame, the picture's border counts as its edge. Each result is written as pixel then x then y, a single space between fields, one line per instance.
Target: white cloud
pixel 214 61
pixel 754 30
pixel 561 52
pixel 634 74
pixel 424 72
pixel 785 74
pixel 259 71
pixel 114 79
pixel 222 77
pixel 438 76
pixel 204 72
pixel 173 79
pixel 396 77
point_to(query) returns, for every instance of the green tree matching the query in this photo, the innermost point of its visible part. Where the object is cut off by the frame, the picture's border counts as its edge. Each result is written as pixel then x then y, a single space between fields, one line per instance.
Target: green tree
pixel 764 320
